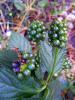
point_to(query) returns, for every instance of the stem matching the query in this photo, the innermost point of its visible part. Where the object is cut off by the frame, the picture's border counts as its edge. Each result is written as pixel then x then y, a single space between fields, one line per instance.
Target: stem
pixel 42 89
pixel 22 21
pixel 3 18
pixel 52 72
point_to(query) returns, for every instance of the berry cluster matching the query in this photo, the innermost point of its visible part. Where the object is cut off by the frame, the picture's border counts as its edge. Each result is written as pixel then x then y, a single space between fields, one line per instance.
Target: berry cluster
pixel 67 63
pixel 36 31
pixel 25 64
pixel 37 59
pixel 58 33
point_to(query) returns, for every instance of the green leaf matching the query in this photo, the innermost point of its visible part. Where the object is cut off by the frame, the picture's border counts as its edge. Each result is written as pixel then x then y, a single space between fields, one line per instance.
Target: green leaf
pixel 39 74
pixel 43 3
pixel 46 55
pixel 56 87
pixel 19 41
pixel 19 4
pixel 59 59
pixel 13 89
pixel 51 57
pixel 7 57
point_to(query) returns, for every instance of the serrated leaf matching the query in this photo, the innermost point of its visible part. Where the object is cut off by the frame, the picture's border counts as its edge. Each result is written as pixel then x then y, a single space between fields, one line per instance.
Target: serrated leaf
pixel 39 73
pixel 56 87
pixel 13 89
pixel 7 57
pixel 59 59
pixel 46 55
pixel 19 41
pixel 51 57
pixel 19 4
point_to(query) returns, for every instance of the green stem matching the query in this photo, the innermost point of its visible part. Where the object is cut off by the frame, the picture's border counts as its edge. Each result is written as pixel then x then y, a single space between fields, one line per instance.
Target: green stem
pixel 42 89
pixel 52 72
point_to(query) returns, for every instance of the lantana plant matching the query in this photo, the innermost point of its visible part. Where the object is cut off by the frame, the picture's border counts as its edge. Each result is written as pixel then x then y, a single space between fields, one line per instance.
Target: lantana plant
pixel 32 63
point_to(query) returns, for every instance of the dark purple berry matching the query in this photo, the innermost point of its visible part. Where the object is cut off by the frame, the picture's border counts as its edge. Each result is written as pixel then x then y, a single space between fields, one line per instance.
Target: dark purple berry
pixel 16 64
pixel 17 69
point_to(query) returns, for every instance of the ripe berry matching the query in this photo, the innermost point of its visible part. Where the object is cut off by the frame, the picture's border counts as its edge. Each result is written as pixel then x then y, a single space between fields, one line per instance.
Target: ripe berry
pixel 16 64
pixel 17 69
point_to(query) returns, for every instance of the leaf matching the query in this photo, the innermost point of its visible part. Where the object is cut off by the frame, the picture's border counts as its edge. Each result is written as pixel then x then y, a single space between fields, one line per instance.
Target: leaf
pixel 39 73
pixel 56 87
pixel 19 4
pixel 43 3
pixel 13 89
pixel 51 57
pixel 7 57
pixel 46 55
pixel 59 59
pixel 19 41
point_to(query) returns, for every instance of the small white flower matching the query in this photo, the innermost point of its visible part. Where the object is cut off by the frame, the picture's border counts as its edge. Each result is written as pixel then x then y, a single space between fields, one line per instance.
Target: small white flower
pixel 8 33
pixel 73 12
pixel 0 46
pixel 70 25
pixel 64 13
pixel 70 17
pixel 60 18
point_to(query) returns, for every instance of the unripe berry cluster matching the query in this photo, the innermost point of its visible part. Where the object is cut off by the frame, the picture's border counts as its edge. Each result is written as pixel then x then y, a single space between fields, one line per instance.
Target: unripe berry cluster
pixel 67 63
pixel 58 33
pixel 36 32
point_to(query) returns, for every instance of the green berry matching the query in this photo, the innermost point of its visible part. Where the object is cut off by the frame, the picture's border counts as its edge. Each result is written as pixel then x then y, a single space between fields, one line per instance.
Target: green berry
pixel 31 55
pixel 20 76
pixel 27 72
pixel 61 32
pixel 56 42
pixel 33 60
pixel 62 38
pixel 33 32
pixel 62 45
pixel 39 30
pixel 31 67
pixel 25 55
pixel 55 35
pixel 34 27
